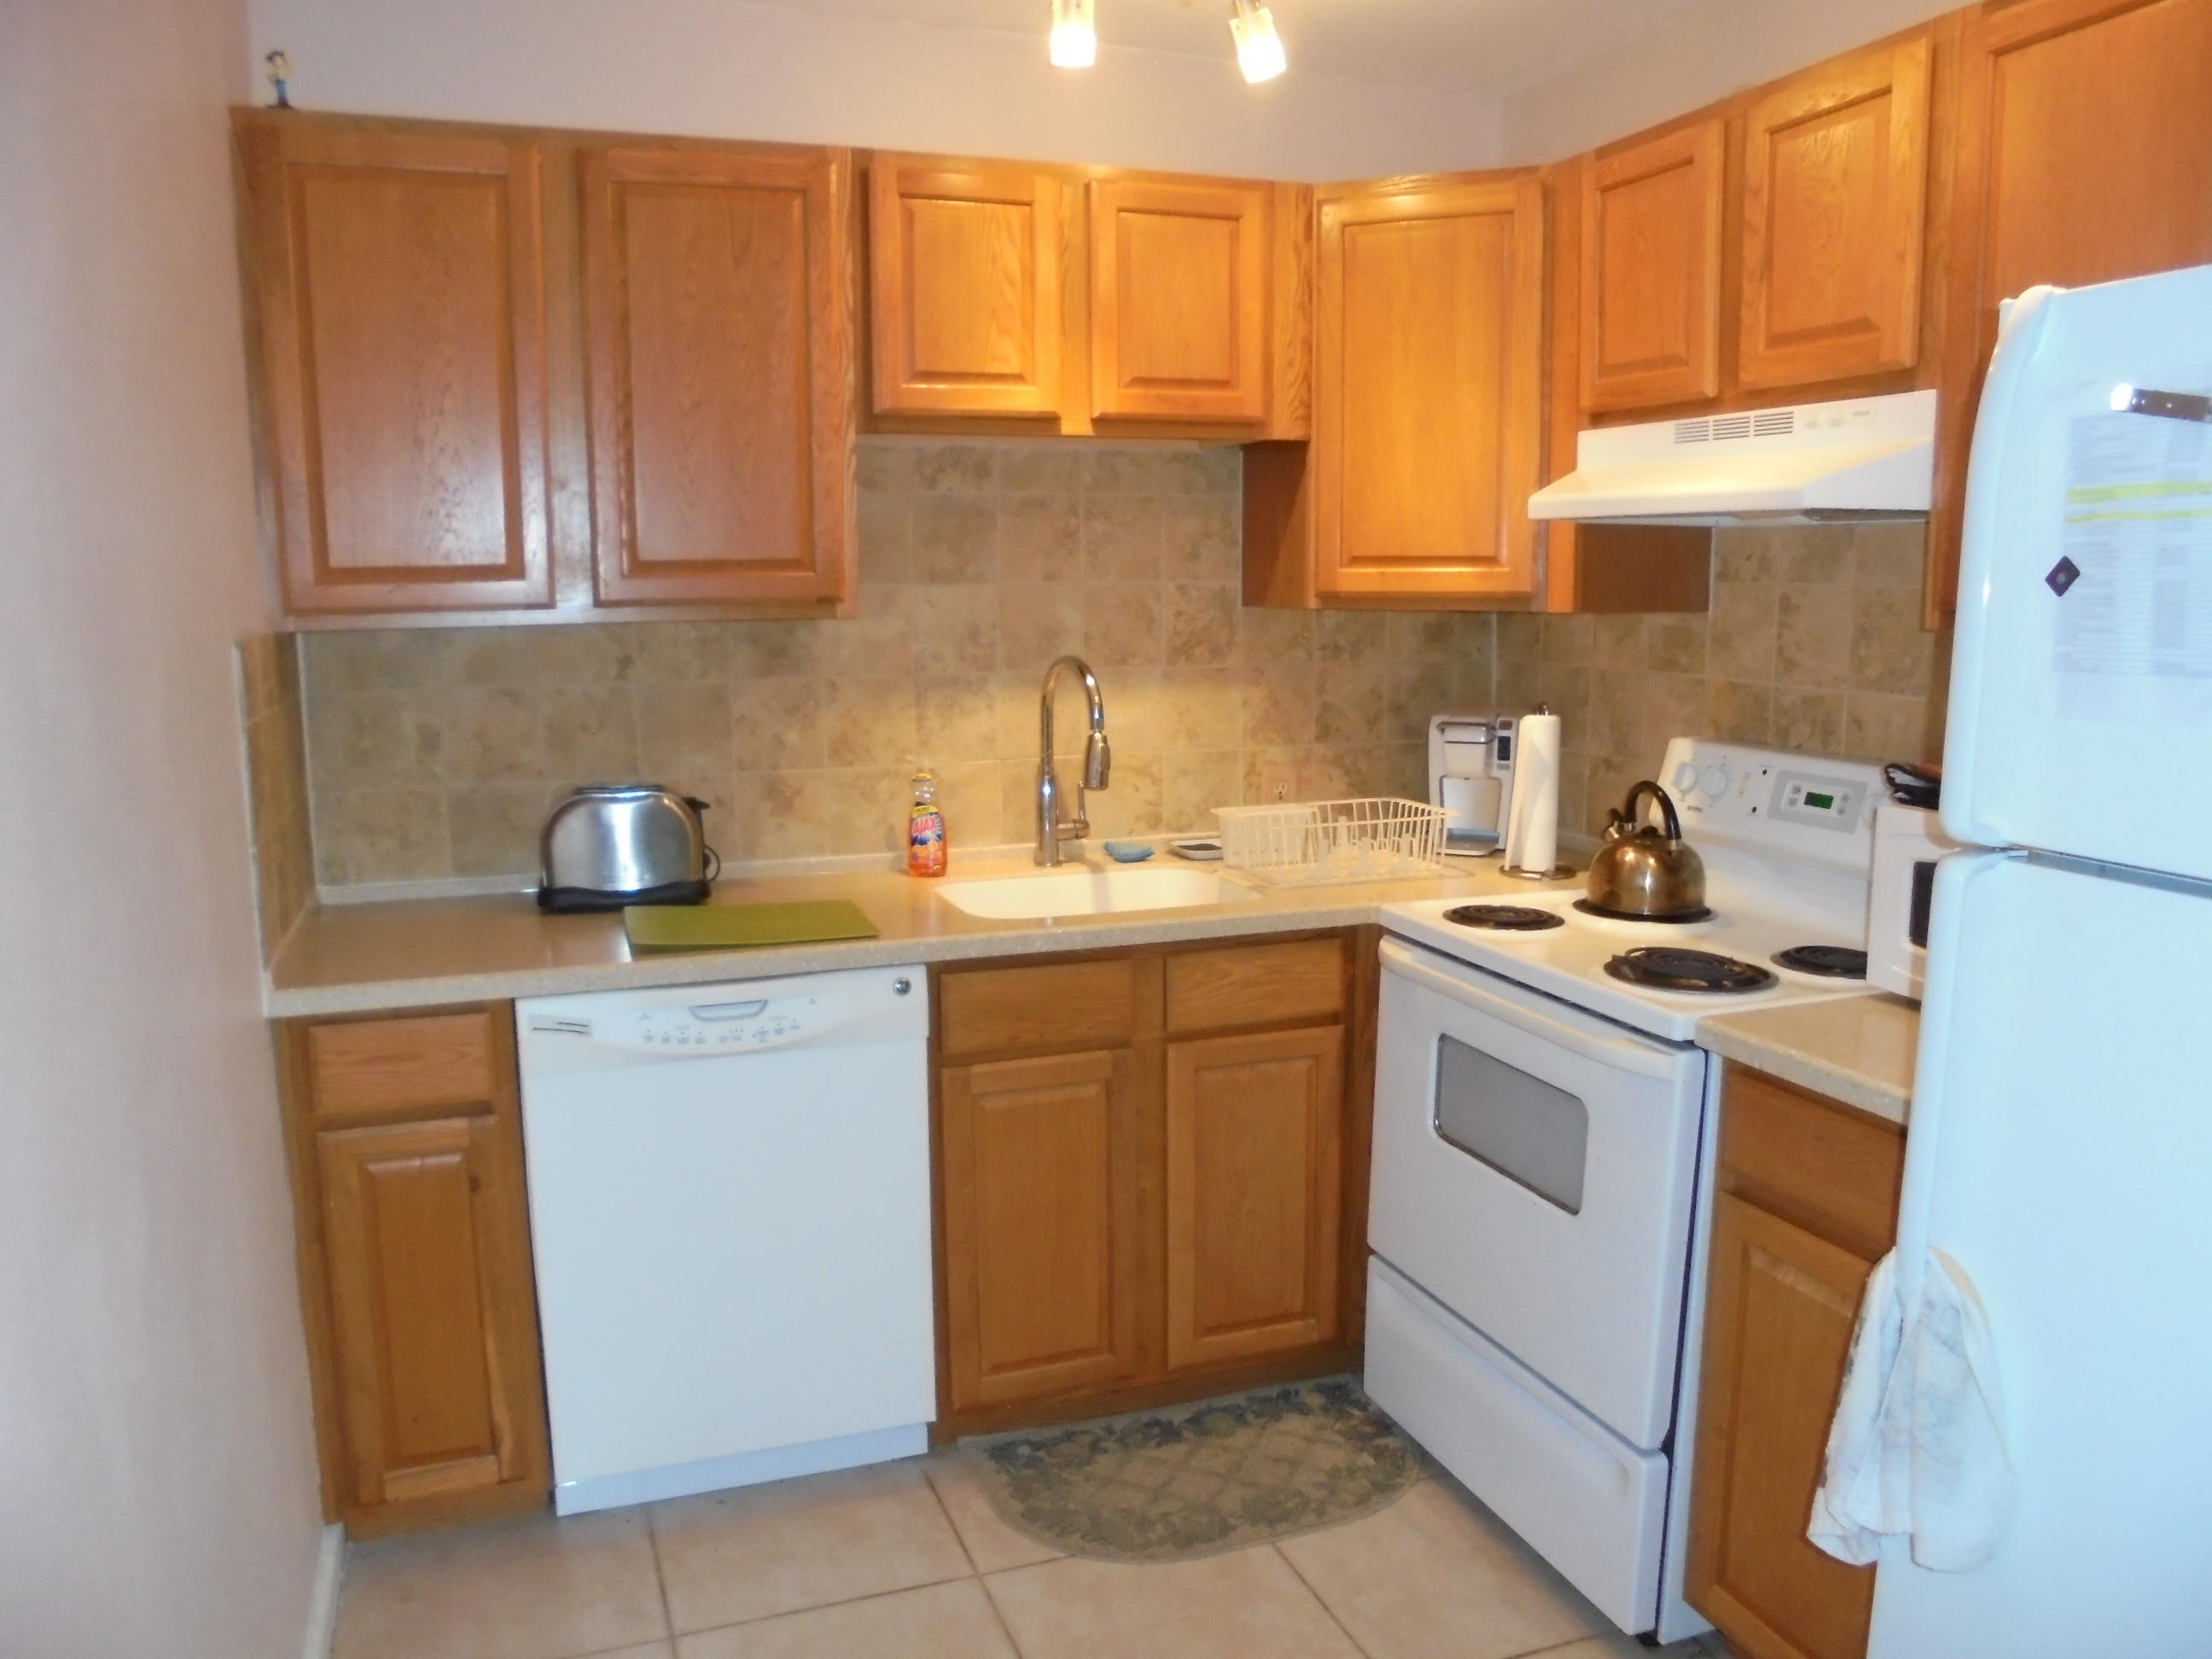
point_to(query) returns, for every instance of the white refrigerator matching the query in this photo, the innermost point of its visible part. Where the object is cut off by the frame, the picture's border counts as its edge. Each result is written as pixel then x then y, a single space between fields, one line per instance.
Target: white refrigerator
pixel 2061 1142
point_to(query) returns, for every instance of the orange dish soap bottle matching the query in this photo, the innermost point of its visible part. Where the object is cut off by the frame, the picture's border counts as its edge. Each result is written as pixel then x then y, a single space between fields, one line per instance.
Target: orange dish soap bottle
pixel 925 852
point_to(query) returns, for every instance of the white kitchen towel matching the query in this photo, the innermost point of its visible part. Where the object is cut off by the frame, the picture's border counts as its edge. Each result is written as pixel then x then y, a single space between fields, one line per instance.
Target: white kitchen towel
pixel 1532 828
pixel 1918 1448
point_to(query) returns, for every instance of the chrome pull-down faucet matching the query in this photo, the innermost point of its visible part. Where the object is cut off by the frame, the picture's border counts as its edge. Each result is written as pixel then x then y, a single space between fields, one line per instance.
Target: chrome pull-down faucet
pixel 1098 762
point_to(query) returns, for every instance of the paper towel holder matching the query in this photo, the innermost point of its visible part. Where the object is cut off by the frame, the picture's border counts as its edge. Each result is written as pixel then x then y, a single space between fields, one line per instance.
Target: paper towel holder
pixel 1558 872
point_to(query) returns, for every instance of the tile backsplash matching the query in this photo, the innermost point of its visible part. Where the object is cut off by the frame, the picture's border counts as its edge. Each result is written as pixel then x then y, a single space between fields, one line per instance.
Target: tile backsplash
pixel 435 753
pixel 276 768
pixel 1813 643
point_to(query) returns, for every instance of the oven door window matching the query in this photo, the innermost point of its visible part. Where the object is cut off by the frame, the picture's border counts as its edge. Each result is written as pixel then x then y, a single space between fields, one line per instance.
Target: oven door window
pixel 1525 1128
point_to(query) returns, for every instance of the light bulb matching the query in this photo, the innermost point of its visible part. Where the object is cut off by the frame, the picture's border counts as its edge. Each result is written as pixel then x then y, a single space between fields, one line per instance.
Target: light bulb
pixel 1259 48
pixel 1074 33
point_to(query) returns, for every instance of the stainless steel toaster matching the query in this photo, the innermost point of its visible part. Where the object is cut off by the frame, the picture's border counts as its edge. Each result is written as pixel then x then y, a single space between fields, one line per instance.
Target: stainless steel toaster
pixel 611 844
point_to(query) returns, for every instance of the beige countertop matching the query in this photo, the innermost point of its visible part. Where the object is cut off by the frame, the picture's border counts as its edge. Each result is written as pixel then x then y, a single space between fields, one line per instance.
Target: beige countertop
pixel 415 953
pixel 1855 1050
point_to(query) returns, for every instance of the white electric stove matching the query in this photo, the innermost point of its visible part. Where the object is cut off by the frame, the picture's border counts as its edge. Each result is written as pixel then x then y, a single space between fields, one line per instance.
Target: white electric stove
pixel 1542 1152
pixel 1787 842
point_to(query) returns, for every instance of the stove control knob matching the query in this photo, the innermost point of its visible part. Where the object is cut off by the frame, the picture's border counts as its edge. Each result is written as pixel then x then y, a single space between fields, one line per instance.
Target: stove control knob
pixel 1686 778
pixel 1713 780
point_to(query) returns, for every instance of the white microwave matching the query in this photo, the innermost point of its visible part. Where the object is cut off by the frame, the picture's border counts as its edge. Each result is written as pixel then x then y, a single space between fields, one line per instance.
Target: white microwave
pixel 1908 842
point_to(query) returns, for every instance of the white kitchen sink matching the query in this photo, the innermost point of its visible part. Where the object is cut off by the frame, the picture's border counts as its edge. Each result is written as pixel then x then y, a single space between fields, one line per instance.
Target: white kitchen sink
pixel 1089 892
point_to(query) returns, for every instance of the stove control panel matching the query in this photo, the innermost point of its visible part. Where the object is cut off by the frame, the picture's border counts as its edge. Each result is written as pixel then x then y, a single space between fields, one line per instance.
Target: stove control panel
pixel 1763 800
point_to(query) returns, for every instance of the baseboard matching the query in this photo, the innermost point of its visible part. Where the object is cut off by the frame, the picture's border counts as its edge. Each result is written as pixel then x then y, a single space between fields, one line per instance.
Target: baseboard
pixel 323 1605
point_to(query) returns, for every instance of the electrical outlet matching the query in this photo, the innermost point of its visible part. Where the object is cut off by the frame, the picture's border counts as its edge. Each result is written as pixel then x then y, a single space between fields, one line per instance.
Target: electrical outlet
pixel 1278 782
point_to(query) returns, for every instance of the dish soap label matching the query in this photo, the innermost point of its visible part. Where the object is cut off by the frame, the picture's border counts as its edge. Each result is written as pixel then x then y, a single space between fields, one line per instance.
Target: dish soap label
pixel 925 829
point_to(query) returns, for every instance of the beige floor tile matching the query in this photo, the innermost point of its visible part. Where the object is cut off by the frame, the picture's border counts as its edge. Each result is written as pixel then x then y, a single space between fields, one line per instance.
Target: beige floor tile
pixel 647 1650
pixel 763 1549
pixel 940 1621
pixel 1245 1605
pixel 992 1544
pixel 1436 1576
pixel 1613 1645
pixel 529 1588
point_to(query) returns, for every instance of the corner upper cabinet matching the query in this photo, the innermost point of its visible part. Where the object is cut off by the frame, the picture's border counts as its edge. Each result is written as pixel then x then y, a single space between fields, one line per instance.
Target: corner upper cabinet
pixel 2084 155
pixel 964 288
pixel 1835 197
pixel 719 356
pixel 1651 270
pixel 398 284
pixel 1428 404
pixel 1179 305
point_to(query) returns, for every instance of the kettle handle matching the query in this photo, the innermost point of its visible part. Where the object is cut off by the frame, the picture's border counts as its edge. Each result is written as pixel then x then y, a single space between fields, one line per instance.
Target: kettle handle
pixel 1673 821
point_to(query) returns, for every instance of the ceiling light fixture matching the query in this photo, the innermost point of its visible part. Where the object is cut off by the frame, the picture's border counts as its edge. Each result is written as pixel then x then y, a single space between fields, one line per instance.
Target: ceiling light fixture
pixel 1074 33
pixel 1259 48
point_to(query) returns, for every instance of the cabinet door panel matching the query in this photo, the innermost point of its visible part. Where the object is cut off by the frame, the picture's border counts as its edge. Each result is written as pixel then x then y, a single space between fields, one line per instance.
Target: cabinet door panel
pixel 1038 1188
pixel 2085 156
pixel 1179 300
pixel 1834 220
pixel 432 1308
pixel 400 302
pixel 1651 247
pixel 720 359
pixel 1254 1142
pixel 965 297
pixel 1778 1329
pixel 1428 382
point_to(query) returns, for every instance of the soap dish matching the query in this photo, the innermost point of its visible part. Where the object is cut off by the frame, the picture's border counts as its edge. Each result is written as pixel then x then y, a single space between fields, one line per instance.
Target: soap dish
pixel 1127 852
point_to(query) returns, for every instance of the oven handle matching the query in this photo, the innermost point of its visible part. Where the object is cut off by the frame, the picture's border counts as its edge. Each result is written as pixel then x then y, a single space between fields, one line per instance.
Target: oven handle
pixel 1623 1053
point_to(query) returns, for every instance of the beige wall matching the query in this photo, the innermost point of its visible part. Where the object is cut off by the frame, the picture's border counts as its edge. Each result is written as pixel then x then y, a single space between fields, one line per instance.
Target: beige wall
pixel 1698 55
pixel 436 752
pixel 159 1492
pixel 725 69
pixel 1813 643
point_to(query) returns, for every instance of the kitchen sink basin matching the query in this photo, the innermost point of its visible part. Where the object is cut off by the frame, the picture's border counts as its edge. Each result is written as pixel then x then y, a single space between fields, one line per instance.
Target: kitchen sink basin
pixel 1089 892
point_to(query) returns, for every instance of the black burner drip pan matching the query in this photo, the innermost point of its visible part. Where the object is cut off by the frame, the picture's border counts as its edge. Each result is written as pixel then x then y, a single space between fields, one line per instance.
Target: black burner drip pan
pixel 1823 961
pixel 1505 918
pixel 1679 918
pixel 1668 967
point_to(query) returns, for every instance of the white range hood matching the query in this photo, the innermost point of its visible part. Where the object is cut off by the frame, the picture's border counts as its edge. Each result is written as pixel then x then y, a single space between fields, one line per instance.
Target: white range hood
pixel 1864 458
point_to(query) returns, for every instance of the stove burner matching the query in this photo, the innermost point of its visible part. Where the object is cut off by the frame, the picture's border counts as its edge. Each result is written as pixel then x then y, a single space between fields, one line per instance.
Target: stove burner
pixel 1669 968
pixel 1701 914
pixel 1823 961
pixel 1506 917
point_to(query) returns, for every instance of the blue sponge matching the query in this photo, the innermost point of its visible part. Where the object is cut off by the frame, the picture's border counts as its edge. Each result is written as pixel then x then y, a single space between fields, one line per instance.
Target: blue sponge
pixel 1127 852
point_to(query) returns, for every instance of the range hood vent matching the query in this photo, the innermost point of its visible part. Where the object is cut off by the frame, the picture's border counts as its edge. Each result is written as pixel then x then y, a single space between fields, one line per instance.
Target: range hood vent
pixel 1866 458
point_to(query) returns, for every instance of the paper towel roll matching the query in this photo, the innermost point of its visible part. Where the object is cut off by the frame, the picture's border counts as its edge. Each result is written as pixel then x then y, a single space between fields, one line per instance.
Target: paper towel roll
pixel 1532 832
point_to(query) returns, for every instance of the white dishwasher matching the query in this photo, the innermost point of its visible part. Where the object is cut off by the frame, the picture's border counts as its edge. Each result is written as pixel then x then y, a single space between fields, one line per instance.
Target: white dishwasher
pixel 729 1216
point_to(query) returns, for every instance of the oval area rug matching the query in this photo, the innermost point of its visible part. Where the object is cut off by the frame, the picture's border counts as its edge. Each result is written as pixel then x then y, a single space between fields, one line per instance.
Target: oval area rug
pixel 1186 1481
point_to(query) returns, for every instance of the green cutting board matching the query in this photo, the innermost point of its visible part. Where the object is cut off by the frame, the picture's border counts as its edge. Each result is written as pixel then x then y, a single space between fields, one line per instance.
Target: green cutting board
pixel 729 927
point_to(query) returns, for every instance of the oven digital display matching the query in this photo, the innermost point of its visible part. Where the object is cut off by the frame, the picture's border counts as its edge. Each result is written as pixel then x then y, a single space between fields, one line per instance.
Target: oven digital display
pixel 1825 803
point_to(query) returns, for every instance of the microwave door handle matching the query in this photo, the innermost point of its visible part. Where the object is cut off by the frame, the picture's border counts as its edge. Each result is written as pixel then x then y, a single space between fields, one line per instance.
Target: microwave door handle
pixel 1622 1052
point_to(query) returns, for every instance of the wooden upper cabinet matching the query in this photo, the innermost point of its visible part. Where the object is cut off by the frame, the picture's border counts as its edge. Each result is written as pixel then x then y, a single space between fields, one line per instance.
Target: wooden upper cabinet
pixel 2084 155
pixel 1651 270
pixel 964 288
pixel 1254 1195
pixel 399 287
pixel 1428 390
pixel 719 351
pixel 1179 311
pixel 1835 194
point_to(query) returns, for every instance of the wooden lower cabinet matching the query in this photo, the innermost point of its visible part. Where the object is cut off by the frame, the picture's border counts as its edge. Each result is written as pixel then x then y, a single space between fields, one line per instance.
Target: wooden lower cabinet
pixel 1807 1200
pixel 1254 1127
pixel 1039 1224
pixel 405 1139
pixel 1126 1219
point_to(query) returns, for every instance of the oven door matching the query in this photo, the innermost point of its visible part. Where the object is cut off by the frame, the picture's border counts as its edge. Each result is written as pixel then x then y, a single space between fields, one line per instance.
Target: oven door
pixel 1534 1171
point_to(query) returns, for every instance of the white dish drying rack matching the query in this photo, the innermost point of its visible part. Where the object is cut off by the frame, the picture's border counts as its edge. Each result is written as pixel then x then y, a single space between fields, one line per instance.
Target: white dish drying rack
pixel 1312 843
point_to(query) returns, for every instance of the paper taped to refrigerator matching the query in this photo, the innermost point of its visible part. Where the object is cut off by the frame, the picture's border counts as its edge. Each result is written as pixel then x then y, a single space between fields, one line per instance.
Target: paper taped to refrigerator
pixel 2133 638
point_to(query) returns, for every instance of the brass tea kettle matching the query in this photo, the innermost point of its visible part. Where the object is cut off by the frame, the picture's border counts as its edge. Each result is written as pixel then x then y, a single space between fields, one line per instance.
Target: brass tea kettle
pixel 1642 873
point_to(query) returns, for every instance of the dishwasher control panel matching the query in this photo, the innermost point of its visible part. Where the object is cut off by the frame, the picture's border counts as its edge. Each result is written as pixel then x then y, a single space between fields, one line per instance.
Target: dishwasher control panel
pixel 704 1027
